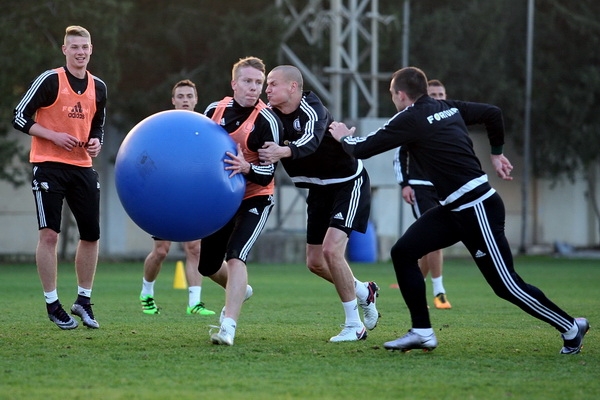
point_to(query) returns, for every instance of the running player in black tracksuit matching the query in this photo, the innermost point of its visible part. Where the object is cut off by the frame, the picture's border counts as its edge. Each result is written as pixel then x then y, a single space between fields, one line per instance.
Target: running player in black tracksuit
pixel 420 193
pixel 470 210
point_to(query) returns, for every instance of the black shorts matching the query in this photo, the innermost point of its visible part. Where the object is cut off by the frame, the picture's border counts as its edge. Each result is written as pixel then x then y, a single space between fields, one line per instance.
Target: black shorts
pixel 345 206
pixel 426 197
pixel 52 183
pixel 237 237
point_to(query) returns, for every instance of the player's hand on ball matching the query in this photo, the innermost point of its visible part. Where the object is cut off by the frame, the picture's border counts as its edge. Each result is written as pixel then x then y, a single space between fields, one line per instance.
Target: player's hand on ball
pixel 237 163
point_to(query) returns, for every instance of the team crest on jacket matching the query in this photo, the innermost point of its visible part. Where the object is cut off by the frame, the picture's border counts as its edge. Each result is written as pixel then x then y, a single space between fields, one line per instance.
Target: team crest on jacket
pixel 248 127
pixel 297 126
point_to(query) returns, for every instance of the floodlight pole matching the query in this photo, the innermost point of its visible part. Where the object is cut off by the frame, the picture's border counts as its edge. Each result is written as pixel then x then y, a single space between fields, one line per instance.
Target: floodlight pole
pixel 405 53
pixel 527 128
pixel 405 33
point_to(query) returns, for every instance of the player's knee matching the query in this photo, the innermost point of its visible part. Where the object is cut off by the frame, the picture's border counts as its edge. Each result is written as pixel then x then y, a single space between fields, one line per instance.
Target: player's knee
pixel 161 249
pixel 161 252
pixel 316 269
pixel 48 237
pixel 333 252
pixel 192 249
pixel 503 293
pixel 397 251
pixel 402 254
pixel 314 262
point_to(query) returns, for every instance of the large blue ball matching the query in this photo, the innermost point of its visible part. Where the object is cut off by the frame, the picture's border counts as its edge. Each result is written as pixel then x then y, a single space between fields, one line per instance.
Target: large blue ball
pixel 170 176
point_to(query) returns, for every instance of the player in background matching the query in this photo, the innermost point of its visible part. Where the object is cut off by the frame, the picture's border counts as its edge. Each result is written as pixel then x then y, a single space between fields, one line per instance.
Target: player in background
pixel 184 96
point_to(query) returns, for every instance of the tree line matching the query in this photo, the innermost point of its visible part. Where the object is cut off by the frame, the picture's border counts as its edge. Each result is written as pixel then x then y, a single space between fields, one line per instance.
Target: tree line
pixel 476 47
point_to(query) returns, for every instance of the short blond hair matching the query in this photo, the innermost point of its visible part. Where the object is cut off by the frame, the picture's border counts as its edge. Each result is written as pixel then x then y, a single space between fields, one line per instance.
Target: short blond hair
pixel 76 30
pixel 253 62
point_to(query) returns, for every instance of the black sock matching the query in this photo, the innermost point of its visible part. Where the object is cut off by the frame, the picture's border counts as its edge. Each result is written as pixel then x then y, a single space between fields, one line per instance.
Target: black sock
pixel 82 300
pixel 52 306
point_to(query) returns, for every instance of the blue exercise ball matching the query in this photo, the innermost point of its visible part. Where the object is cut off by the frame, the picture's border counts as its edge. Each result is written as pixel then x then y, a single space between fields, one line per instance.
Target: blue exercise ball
pixel 362 247
pixel 171 179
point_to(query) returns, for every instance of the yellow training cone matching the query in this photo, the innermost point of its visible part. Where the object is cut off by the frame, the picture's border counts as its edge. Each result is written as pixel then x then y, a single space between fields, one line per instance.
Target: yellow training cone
pixel 179 282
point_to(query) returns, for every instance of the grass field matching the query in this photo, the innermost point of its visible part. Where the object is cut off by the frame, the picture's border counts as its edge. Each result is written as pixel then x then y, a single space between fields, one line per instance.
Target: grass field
pixel 488 348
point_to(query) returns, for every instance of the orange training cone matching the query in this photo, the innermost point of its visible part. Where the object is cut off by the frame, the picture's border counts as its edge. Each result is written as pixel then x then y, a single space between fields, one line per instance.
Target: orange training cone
pixel 179 282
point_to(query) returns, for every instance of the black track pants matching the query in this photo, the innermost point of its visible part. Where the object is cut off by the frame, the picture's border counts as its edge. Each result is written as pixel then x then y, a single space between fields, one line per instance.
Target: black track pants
pixel 481 229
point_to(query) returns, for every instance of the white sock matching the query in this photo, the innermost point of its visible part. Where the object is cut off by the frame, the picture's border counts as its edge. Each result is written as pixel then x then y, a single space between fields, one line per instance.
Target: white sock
pixel 230 325
pixel 51 297
pixel 360 289
pixel 423 331
pixel 438 286
pixel 571 333
pixel 84 292
pixel 147 288
pixel 351 311
pixel 194 293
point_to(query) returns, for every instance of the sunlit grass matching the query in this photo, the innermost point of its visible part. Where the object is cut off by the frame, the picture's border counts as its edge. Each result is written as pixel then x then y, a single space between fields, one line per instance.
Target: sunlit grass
pixel 488 348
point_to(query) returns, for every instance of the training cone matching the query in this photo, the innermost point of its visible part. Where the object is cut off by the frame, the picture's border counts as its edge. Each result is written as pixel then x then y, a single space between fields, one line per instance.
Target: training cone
pixel 179 282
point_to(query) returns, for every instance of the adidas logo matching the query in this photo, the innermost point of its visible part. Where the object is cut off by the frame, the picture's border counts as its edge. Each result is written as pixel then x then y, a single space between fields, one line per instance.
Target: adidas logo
pixel 77 108
pixel 480 254
pixel 76 112
pixel 253 211
pixel 338 216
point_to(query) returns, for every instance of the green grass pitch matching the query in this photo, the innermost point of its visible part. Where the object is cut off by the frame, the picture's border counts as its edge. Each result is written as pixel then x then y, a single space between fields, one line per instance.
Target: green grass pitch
pixel 488 348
